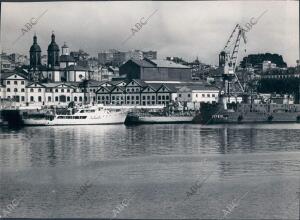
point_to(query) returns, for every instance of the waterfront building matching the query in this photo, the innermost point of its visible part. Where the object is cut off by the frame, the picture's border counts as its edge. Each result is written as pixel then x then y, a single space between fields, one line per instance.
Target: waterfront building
pixel 192 95
pixel 17 88
pixel 155 70
pixel 134 92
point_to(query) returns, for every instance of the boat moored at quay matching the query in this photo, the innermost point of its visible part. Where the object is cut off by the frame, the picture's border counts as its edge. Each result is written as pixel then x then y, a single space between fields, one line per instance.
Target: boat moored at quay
pixel 87 115
pixel 160 117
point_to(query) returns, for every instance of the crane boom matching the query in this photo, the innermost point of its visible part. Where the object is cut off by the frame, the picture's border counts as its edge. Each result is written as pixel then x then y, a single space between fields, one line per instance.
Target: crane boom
pixel 228 59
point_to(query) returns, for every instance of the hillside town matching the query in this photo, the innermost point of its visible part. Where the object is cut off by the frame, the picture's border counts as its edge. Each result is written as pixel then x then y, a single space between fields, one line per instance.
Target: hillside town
pixel 126 78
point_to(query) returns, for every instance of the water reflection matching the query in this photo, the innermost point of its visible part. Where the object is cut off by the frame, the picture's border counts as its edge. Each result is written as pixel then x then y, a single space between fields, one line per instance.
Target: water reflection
pixel 48 146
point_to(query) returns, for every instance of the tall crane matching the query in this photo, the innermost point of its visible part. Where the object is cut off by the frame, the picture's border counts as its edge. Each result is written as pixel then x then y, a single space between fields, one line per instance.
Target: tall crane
pixel 228 59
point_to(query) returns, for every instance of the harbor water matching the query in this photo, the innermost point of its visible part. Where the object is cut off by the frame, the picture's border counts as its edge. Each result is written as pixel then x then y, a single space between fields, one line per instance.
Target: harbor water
pixel 151 171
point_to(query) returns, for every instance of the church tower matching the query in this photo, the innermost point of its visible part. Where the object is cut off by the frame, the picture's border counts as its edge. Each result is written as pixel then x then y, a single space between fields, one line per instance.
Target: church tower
pixel 65 50
pixel 35 54
pixel 53 53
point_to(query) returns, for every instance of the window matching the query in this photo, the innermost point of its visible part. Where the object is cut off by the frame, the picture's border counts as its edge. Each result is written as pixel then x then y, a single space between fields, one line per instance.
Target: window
pixel 144 98
pixel 8 82
pixel 148 97
pixel 51 90
pixel 31 99
pixel 189 95
pixel 16 82
pixel 153 97
pixel 208 95
pixel 31 90
pixel 56 98
pixel 167 97
pixel 203 95
pixel 22 82
pixel 56 90
pixel 128 98
pixel 68 98
pixel 137 97
pixel 39 90
pixel 80 99
pixel 49 98
pixel 8 89
pixel 23 90
pixel 22 98
pixel 197 95
pixel 132 89
pixel 15 90
pixel 40 98
pixel 113 97
pixel 213 95
pixel 62 90
pixel 179 95
pixel 75 98
pixel 163 97
pixel 107 97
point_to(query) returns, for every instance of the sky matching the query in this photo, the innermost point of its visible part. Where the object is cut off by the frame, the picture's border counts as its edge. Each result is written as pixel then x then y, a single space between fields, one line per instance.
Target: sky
pixel 186 29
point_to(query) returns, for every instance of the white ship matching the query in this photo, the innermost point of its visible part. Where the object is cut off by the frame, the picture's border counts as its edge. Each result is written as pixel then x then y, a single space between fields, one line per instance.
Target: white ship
pixel 92 115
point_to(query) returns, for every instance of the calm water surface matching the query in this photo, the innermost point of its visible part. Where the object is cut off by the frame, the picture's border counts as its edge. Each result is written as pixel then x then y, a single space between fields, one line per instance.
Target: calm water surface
pixel 88 171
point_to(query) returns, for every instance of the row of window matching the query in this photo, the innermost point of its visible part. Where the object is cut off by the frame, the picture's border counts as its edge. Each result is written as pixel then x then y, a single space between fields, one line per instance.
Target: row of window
pixel 57 99
pixel 134 98
pixel 134 102
pixel 38 90
pixel 203 95
pixel 15 90
pixel 15 82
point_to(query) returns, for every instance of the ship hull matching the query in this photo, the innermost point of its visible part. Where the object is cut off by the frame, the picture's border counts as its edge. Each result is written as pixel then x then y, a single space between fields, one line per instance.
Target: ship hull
pixel 112 119
pixel 158 119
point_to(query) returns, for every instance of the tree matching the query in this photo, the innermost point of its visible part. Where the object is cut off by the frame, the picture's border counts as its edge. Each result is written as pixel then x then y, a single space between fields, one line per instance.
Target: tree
pixel 84 84
pixel 256 59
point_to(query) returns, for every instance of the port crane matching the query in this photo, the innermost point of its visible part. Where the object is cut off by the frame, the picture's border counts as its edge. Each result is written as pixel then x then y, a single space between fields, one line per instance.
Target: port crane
pixel 228 59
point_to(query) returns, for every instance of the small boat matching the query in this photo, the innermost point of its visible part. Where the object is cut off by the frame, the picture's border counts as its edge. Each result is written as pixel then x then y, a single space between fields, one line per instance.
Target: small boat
pixel 159 118
pixel 91 115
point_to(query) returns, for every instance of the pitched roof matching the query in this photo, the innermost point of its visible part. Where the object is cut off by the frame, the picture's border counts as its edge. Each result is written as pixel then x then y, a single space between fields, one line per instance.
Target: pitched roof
pixel 4 75
pixel 66 58
pixel 169 64
pixel 142 63
pixel 53 85
pixel 138 81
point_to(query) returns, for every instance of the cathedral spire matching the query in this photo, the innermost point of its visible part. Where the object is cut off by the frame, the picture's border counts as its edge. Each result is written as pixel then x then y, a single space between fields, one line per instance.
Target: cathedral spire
pixel 53 37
